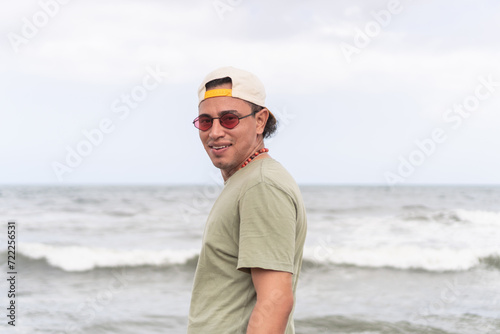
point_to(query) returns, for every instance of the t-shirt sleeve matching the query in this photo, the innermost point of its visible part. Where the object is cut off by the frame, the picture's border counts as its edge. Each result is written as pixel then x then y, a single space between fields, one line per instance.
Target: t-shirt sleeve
pixel 267 229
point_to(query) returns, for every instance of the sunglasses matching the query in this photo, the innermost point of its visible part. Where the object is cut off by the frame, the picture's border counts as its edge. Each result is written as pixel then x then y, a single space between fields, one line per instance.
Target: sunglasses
pixel 229 121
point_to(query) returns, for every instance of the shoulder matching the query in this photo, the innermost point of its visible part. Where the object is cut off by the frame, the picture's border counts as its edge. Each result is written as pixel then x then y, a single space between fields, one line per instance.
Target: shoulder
pixel 269 173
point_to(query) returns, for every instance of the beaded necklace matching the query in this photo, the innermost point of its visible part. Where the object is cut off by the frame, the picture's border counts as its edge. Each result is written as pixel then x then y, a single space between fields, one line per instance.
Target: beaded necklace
pixel 253 156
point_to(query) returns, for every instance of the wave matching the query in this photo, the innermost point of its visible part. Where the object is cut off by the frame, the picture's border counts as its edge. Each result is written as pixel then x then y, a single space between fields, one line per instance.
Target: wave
pixel 344 324
pixel 476 217
pixel 479 217
pixel 404 257
pixel 491 261
pixel 81 258
pixel 416 207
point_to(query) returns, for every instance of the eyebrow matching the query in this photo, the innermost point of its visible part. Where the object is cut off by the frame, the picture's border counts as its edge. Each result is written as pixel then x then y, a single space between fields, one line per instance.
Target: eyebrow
pixel 223 112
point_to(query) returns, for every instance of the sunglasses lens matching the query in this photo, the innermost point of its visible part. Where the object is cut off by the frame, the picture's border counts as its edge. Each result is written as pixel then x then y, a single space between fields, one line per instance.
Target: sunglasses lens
pixel 229 121
pixel 203 123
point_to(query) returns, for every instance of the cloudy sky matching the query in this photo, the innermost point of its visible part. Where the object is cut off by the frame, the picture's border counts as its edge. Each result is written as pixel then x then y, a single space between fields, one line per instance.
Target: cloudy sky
pixel 366 92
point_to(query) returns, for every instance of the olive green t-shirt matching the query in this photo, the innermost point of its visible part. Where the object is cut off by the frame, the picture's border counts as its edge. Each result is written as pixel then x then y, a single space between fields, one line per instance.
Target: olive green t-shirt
pixel 258 221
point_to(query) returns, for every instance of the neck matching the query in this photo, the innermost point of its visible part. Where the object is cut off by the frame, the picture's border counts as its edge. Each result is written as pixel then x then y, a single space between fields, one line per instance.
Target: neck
pixel 256 154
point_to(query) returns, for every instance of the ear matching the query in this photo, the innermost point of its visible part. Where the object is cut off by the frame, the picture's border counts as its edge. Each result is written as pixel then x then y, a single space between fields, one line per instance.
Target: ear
pixel 261 120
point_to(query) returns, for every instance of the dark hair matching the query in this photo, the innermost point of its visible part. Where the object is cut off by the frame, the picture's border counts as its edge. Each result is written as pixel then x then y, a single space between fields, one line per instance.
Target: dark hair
pixel 218 82
pixel 271 124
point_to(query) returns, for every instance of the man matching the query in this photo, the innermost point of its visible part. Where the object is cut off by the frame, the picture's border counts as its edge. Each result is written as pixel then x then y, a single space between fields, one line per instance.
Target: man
pixel 252 247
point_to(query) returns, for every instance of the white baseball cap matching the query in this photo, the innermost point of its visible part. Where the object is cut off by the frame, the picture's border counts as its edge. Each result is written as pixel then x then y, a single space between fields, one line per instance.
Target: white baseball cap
pixel 245 86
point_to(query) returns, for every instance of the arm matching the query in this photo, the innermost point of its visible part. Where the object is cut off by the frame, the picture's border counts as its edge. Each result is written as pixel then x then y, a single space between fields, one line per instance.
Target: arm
pixel 274 301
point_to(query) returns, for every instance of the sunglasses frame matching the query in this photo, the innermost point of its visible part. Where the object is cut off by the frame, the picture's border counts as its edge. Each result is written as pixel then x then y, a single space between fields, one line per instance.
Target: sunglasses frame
pixel 212 120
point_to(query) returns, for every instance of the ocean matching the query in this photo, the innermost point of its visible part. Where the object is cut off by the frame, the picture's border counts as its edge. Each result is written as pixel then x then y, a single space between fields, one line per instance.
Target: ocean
pixel 121 259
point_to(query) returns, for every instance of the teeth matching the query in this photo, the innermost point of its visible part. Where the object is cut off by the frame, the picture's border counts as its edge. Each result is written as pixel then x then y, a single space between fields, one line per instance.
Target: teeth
pixel 219 147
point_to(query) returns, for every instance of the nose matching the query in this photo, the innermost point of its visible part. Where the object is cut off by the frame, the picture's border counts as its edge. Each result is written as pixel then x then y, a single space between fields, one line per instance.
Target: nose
pixel 216 131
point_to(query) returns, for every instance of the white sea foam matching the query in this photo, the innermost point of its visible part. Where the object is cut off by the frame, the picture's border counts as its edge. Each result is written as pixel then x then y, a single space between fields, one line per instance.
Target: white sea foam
pixel 80 258
pixel 401 257
pixel 479 217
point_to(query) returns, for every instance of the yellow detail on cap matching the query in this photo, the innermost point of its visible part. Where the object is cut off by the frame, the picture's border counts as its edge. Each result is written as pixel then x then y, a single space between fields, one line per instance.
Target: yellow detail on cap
pixel 218 92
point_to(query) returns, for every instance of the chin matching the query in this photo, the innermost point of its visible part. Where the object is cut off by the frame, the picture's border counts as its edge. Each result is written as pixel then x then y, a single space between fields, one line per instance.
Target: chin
pixel 222 164
pixel 219 164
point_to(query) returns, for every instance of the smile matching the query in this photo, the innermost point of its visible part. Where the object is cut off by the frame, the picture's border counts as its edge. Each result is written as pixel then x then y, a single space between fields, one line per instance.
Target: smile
pixel 219 147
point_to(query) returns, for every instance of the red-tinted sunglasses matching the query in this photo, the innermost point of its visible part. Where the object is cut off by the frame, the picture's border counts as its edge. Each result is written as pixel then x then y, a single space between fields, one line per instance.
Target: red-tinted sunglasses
pixel 229 121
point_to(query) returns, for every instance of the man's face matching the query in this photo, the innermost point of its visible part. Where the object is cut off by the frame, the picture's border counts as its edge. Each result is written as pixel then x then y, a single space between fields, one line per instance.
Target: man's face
pixel 229 148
